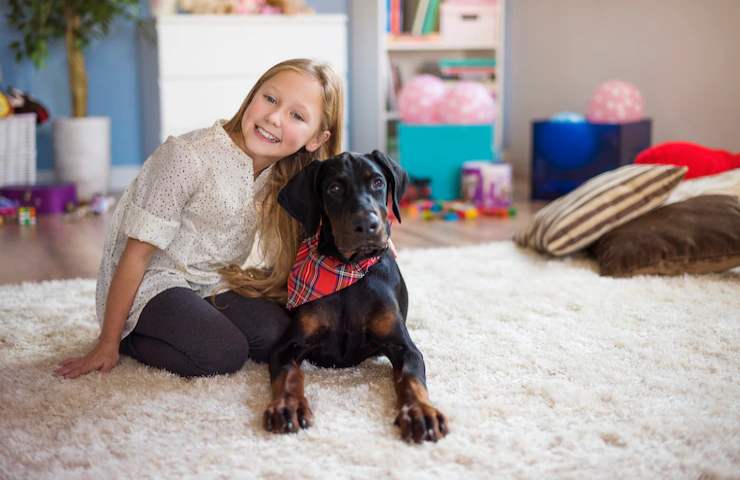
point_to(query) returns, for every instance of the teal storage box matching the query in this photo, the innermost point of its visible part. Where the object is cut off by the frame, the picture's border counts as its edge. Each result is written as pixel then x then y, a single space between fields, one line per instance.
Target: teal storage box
pixel 437 152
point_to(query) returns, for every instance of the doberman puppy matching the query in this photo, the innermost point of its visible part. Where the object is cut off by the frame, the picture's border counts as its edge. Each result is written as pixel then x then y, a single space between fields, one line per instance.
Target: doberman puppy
pixel 344 198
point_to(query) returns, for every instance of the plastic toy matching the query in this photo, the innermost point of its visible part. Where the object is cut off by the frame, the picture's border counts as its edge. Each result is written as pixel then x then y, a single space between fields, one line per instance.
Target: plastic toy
pixel 616 101
pixel 486 184
pixel 507 212
pixel 26 216
pixel 8 209
pixel 468 103
pixel 22 102
pixel 449 211
pixel 419 99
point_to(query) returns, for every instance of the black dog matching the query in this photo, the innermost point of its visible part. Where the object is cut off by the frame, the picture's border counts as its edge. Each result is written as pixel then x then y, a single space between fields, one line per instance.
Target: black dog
pixel 345 197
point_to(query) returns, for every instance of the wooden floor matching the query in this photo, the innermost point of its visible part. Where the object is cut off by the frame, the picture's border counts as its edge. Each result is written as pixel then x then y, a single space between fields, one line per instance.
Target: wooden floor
pixel 60 247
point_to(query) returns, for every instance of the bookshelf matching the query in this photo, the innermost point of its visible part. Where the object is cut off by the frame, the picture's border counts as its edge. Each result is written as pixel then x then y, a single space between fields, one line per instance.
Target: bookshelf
pixel 371 48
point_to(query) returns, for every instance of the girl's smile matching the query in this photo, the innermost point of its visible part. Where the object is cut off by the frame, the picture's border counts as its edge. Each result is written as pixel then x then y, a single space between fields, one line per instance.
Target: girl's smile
pixel 265 135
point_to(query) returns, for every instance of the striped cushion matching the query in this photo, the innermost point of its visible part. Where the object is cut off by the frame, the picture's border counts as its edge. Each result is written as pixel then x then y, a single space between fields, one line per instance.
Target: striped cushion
pixel 576 220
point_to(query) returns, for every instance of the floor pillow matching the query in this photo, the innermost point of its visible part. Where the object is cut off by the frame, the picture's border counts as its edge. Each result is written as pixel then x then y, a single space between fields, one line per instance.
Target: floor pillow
pixel 698 235
pixel 574 221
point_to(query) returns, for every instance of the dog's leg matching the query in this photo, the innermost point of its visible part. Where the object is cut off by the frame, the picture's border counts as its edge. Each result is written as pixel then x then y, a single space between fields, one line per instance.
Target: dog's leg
pixel 418 419
pixel 289 408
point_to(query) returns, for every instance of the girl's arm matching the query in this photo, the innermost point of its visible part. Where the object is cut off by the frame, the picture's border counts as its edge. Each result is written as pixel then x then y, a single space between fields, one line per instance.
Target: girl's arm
pixel 123 287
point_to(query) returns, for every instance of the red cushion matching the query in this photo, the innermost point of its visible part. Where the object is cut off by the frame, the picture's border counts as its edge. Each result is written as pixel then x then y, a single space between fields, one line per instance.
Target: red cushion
pixel 701 161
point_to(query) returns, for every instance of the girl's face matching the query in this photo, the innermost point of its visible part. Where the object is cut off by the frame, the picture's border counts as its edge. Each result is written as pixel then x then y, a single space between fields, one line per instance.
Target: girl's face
pixel 284 115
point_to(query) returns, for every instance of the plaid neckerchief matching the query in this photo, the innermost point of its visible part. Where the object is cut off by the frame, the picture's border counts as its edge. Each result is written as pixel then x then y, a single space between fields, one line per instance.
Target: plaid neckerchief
pixel 314 275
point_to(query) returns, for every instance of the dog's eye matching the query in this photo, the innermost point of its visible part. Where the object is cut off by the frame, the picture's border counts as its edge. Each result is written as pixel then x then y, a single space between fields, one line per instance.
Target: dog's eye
pixel 378 183
pixel 334 189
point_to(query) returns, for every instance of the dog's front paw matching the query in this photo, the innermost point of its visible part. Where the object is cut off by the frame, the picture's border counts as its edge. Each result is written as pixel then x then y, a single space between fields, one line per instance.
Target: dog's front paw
pixel 287 413
pixel 420 422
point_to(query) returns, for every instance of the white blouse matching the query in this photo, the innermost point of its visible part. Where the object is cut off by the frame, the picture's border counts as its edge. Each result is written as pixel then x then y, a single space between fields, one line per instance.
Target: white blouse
pixel 194 200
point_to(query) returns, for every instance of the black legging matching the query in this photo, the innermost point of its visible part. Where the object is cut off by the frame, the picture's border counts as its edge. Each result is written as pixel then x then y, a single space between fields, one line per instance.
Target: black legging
pixel 185 334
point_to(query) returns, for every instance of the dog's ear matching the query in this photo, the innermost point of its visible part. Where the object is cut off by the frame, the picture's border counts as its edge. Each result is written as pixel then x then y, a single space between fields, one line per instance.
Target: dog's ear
pixel 300 197
pixel 395 176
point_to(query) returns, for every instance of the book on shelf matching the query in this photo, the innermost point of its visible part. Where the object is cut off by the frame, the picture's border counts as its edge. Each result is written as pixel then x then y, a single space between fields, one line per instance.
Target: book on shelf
pixel 431 18
pixel 421 10
pixel 412 17
pixel 468 68
pixel 396 17
pixel 472 62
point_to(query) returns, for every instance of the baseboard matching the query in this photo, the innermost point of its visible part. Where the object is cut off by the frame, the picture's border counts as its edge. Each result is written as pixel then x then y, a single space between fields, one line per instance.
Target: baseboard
pixel 120 176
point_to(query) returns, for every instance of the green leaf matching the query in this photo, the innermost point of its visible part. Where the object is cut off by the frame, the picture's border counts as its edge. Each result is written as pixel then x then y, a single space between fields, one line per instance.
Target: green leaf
pixel 42 21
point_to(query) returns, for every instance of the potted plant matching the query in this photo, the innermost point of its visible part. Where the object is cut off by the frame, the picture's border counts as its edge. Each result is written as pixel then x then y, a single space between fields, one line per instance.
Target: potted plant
pixel 81 143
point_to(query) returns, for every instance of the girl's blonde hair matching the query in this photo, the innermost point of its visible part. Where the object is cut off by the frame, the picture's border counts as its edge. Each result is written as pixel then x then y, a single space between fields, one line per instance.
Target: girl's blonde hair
pixel 278 233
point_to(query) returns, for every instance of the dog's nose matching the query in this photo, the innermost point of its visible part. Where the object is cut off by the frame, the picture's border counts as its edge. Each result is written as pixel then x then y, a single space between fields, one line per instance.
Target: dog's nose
pixel 366 223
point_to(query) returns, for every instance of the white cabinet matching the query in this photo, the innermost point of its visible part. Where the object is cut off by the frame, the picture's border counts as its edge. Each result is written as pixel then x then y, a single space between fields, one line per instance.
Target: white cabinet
pixel 196 69
pixel 370 50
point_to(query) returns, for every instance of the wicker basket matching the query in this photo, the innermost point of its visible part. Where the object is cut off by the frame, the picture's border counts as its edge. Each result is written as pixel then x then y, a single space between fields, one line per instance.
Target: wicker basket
pixel 18 149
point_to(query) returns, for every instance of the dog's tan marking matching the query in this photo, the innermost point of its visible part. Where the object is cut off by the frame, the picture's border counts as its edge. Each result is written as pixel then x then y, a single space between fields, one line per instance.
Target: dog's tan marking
pixel 409 389
pixel 383 323
pixel 311 322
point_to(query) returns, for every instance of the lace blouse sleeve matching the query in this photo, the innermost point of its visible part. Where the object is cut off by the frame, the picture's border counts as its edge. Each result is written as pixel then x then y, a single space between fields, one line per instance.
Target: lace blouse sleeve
pixel 167 181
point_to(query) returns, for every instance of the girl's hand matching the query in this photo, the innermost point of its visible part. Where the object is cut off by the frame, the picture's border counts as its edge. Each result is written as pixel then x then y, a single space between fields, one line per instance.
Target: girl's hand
pixel 103 357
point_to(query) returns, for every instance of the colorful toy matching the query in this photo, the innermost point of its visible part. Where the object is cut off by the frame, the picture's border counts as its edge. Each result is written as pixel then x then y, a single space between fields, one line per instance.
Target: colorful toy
pixel 23 102
pixel 506 212
pixel 419 99
pixel 700 160
pixel 468 103
pixel 486 184
pixel 448 211
pixel 26 216
pixel 616 101
pixel 462 210
pixel 8 209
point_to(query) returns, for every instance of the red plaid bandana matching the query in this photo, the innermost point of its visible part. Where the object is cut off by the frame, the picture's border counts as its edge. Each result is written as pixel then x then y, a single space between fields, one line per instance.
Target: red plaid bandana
pixel 314 275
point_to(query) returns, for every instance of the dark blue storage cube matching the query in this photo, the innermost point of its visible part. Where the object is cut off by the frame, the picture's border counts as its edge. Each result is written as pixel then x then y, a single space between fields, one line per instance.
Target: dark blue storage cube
pixel 565 154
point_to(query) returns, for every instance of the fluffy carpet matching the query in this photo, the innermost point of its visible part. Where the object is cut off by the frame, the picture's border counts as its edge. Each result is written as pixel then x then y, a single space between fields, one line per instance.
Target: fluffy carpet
pixel 545 370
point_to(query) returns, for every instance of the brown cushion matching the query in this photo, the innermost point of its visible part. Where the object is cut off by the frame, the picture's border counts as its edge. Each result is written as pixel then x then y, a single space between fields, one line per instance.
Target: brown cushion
pixel 698 235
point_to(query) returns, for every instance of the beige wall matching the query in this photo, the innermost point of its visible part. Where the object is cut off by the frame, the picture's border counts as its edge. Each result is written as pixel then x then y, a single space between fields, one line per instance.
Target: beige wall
pixel 684 56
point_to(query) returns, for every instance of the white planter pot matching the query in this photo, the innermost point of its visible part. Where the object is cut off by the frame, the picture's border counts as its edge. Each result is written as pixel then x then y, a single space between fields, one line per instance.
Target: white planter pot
pixel 82 154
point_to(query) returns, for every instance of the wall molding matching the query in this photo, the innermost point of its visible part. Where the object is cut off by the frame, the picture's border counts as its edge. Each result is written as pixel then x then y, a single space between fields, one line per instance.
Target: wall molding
pixel 120 176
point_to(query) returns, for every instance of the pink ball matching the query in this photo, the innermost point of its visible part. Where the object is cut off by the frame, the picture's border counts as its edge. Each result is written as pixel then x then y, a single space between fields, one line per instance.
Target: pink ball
pixel 467 103
pixel 615 101
pixel 417 102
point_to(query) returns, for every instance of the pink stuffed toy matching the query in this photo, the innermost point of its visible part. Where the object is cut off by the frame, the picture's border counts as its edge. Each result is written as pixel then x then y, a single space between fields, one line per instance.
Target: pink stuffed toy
pixel 701 161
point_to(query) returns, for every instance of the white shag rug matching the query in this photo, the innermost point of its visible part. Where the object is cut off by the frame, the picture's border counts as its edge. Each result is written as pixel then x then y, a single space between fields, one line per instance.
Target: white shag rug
pixel 545 370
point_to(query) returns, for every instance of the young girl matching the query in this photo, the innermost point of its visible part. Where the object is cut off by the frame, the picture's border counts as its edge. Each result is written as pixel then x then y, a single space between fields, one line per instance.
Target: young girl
pixel 190 218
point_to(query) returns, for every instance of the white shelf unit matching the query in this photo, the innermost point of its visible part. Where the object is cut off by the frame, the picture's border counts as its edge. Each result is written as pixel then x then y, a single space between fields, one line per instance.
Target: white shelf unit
pixel 196 69
pixel 369 50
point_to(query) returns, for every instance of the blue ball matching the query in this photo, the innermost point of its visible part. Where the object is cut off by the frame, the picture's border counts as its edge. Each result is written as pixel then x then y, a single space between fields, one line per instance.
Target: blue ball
pixel 567 145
